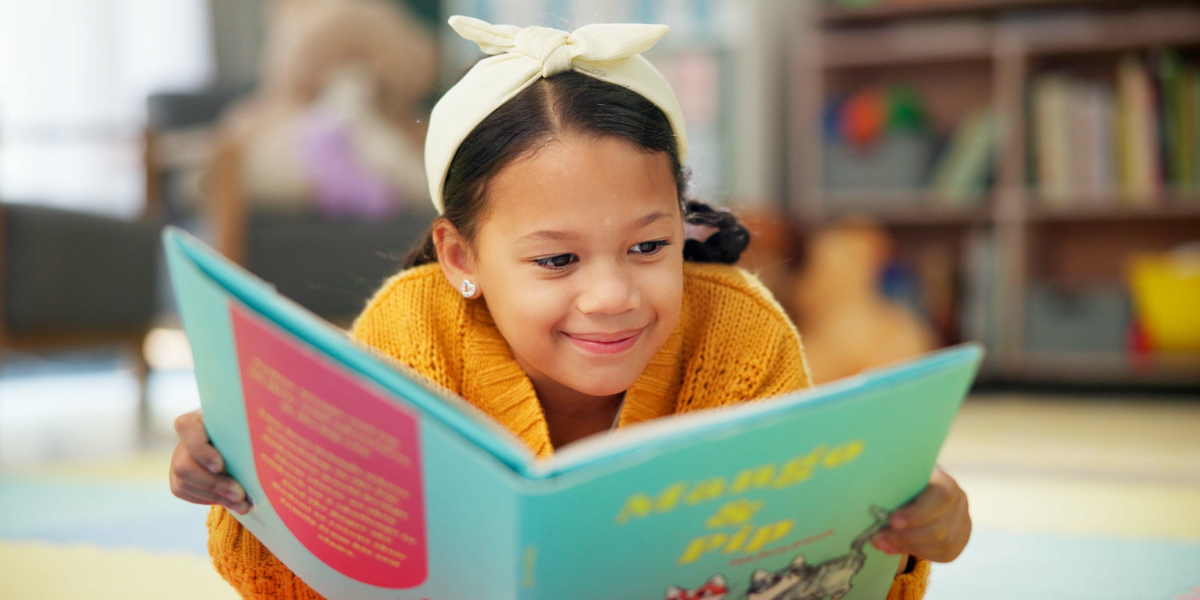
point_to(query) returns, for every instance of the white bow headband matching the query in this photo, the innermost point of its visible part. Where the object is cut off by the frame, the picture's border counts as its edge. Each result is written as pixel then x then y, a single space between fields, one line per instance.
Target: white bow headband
pixel 609 52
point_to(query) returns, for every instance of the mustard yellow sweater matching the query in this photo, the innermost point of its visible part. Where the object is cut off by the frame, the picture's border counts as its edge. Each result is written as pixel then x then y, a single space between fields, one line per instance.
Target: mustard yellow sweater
pixel 733 344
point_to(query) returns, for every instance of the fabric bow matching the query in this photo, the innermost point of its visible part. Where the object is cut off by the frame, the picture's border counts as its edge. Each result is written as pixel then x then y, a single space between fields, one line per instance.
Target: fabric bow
pixel 521 56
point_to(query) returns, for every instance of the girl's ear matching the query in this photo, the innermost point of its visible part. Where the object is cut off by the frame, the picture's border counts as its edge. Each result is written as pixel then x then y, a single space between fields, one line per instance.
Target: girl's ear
pixel 454 255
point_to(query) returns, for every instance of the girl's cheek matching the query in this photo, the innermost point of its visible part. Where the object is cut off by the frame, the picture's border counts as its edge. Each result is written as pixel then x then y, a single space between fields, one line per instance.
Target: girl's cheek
pixel 541 306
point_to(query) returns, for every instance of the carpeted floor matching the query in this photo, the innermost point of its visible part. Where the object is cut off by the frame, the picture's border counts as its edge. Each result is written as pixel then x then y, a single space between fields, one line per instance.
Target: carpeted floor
pixel 1083 498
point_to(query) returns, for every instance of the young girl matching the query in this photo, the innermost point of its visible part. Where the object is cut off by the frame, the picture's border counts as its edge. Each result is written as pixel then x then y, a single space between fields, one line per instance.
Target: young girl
pixel 558 291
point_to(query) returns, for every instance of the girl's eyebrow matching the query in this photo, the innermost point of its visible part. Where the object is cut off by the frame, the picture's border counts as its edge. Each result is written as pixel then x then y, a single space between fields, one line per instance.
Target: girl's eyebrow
pixel 648 219
pixel 549 235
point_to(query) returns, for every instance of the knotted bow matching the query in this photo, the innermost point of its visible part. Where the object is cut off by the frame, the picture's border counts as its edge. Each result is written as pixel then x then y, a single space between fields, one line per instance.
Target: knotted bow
pixel 521 56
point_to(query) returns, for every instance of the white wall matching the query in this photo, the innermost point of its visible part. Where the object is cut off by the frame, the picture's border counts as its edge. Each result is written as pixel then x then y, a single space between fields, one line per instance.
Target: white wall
pixel 74 75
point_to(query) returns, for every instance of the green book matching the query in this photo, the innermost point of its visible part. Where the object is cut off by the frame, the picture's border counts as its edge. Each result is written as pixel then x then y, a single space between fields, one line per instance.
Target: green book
pixel 961 174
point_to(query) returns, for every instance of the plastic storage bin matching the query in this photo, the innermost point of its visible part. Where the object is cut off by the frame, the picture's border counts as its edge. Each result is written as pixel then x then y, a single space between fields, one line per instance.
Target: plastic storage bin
pixel 1166 293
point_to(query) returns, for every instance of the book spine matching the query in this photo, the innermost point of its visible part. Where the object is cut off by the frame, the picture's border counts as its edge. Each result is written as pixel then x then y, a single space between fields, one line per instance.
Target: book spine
pixel 1194 109
pixel 1155 163
pixel 530 563
pixel 1189 113
pixel 1107 143
pixel 1085 163
pixel 1052 137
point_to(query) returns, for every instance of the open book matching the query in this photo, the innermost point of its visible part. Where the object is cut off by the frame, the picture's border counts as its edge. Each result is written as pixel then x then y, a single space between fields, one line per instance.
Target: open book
pixel 369 483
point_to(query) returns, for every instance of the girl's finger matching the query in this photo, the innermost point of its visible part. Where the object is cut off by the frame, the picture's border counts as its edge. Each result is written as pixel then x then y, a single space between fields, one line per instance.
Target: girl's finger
pixel 942 541
pixel 230 489
pixel 193 436
pixel 921 538
pixel 938 498
pixel 187 469
pixel 197 495
pixel 937 551
pixel 207 496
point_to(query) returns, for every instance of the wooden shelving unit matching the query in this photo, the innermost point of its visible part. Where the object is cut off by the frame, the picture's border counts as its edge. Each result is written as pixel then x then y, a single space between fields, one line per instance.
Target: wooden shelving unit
pixel 962 54
pixel 928 211
pixel 889 11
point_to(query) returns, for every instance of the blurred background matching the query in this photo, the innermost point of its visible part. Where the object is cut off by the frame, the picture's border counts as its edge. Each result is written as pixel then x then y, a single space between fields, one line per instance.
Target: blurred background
pixel 915 173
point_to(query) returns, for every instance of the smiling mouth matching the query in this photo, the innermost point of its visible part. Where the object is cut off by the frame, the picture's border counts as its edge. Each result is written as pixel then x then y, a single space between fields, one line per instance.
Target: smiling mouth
pixel 605 343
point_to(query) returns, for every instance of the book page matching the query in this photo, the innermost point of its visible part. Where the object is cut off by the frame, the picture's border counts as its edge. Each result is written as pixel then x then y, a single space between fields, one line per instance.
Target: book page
pixel 338 461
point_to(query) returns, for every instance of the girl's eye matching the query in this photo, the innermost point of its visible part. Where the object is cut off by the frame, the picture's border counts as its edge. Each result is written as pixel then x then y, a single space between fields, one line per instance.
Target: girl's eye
pixel 560 261
pixel 649 248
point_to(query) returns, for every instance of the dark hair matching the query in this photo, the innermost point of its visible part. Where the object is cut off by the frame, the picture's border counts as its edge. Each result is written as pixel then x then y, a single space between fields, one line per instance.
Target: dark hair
pixel 571 102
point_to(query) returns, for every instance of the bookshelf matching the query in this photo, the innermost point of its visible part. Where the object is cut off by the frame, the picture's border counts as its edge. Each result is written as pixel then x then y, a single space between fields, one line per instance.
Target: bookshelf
pixel 963 54
pixel 885 11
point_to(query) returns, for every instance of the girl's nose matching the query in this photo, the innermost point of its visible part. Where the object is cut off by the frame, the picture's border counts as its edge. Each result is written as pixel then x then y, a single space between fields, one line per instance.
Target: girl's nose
pixel 609 291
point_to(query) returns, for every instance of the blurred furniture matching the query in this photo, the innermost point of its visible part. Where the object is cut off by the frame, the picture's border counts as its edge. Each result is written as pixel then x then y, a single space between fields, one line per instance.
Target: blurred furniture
pixel 329 266
pixel 1007 250
pixel 230 165
pixel 180 128
pixel 71 279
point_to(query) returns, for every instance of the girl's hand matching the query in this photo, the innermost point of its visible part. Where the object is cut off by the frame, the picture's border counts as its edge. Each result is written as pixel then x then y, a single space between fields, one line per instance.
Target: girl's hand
pixel 197 468
pixel 935 526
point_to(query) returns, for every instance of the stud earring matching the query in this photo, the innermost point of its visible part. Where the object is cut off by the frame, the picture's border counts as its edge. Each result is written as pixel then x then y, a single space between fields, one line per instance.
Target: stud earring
pixel 467 288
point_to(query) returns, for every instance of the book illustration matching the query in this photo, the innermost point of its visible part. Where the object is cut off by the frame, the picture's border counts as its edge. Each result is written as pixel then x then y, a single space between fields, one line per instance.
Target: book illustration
pixel 829 580
pixel 713 589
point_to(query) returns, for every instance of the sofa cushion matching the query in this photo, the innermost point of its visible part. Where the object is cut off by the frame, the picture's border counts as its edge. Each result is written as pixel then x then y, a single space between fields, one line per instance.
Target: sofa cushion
pixel 69 271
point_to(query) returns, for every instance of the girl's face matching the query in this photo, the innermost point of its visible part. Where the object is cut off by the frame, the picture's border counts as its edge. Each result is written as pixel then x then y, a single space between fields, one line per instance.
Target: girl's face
pixel 579 258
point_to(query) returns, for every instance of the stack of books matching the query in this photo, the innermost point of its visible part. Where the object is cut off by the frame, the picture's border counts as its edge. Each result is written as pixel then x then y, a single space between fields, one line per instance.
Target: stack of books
pixel 1132 141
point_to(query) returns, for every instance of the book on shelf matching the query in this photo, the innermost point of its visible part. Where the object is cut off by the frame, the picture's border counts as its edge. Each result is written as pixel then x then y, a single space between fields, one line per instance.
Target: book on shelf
pixel 980 267
pixel 1137 135
pixel 1092 136
pixel 1052 98
pixel 961 174
pixel 1180 114
pixel 371 482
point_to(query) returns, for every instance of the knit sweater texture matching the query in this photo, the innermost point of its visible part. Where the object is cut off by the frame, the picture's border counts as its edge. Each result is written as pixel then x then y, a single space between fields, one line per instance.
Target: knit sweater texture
pixel 733 344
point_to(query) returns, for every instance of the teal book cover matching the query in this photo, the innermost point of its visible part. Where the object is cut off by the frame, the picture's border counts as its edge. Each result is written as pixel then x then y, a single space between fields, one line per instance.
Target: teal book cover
pixel 368 482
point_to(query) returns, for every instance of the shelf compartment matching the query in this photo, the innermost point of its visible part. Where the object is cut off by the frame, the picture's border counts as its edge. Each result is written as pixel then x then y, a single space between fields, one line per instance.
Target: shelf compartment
pixel 1110 208
pixel 1180 370
pixel 908 44
pixel 832 15
pixel 916 208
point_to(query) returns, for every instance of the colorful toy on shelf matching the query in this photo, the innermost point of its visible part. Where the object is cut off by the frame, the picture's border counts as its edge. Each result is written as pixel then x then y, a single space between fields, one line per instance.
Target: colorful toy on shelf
pixel 870 115
pixel 906 110
pixel 877 140
pixel 865 117
pixel 1166 292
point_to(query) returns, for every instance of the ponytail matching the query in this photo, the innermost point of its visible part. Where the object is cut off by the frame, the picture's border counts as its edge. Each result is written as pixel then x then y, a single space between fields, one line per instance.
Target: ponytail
pixel 725 245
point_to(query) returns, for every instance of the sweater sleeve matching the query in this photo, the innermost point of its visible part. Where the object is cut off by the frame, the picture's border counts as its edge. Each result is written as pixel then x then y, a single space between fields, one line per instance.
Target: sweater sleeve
pixel 247 565
pixel 911 586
